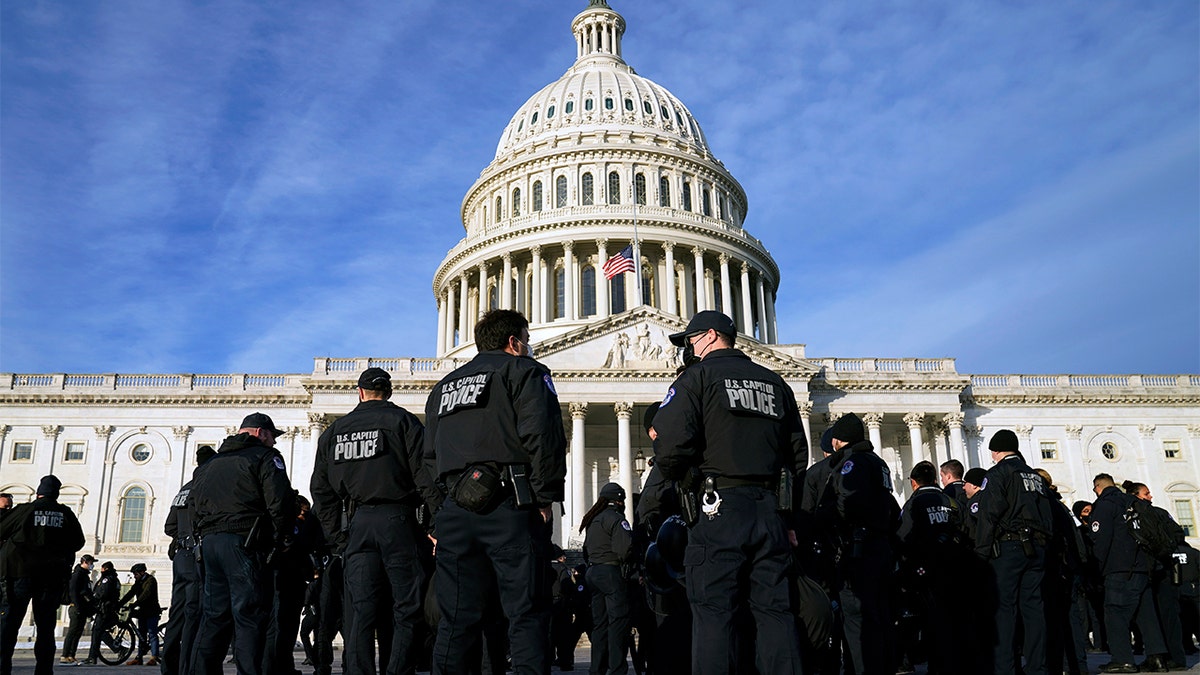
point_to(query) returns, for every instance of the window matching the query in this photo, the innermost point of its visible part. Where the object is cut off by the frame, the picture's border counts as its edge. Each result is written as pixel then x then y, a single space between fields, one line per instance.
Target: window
pixel 1109 450
pixel 589 290
pixel 141 453
pixel 614 188
pixel 721 207
pixel 639 188
pixel 560 191
pixel 588 190
pixel 493 297
pixel 707 201
pixel 1049 449
pixel 22 451
pixel 1185 517
pixel 1171 450
pixel 647 107
pixel 678 120
pixel 588 105
pixel 537 195
pixel 569 108
pixel 550 113
pixel 133 515
pixel 687 196
pixel 666 115
pixel 629 104
pixel 664 191
pixel 534 120
pixel 608 103
pixel 516 202
pixel 647 285
pixel 499 209
pixel 560 293
pixel 617 294
pixel 520 125
pixel 74 451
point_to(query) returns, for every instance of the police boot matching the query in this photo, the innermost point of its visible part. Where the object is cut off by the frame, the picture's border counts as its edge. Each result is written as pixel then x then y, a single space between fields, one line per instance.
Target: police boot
pixel 1155 663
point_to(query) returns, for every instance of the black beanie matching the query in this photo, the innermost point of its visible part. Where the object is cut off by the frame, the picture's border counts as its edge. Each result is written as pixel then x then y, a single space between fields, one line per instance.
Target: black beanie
pixel 975 476
pixel 1077 509
pixel 648 417
pixel 204 453
pixel 49 487
pixel 827 441
pixel 1003 441
pixel 848 429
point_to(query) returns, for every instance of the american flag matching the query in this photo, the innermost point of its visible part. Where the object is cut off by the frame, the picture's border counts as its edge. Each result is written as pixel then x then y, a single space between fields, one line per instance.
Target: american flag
pixel 619 263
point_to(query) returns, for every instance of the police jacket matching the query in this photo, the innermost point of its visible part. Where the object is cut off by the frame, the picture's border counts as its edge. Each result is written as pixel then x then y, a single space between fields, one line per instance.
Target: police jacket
pixel 958 493
pixel 80 589
pixel 658 502
pixel 145 594
pixel 1188 560
pixel 1115 549
pixel 179 522
pixel 609 538
pixel 370 456
pixel 1015 499
pixel 928 520
pixel 971 517
pixel 244 482
pixel 814 482
pixel 858 494
pixel 501 409
pixel 107 591
pixel 40 540
pixel 728 416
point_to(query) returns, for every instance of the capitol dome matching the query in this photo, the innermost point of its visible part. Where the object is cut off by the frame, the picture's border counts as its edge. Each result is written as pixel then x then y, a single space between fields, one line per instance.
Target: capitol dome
pixel 598 164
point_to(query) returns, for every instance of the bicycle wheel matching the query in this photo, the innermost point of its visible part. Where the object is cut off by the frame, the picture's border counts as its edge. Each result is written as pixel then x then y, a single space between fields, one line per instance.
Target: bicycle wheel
pixel 117 643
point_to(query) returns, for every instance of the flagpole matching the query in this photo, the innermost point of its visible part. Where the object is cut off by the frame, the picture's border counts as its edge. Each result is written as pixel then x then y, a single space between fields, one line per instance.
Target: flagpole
pixel 637 246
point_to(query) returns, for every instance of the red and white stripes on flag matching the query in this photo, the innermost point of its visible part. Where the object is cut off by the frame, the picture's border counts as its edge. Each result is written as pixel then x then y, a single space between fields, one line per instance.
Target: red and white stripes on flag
pixel 619 263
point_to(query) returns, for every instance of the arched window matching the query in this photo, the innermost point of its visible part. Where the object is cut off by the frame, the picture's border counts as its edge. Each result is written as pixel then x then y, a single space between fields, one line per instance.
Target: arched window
pixel 569 108
pixel 608 103
pixel 614 188
pixel 550 113
pixel 721 206
pixel 648 285
pixel 649 109
pixel 537 195
pixel 588 190
pixel 589 290
pixel 707 201
pixel 664 191
pixel 629 104
pixel 133 515
pixel 616 294
pixel 516 202
pixel 499 209
pixel 687 196
pixel 493 296
pixel 588 105
pixel 560 293
pixel 560 191
pixel 534 120
pixel 639 188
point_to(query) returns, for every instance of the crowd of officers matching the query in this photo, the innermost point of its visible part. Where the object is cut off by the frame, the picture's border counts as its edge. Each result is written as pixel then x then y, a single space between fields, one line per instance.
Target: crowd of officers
pixel 427 546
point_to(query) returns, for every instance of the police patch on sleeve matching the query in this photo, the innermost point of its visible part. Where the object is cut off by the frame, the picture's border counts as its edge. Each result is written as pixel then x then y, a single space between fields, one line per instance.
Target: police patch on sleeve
pixel 984 486
pixel 975 507
pixel 625 524
pixel 278 463
pixel 847 467
pixel 1096 527
pixel 667 399
pixel 549 383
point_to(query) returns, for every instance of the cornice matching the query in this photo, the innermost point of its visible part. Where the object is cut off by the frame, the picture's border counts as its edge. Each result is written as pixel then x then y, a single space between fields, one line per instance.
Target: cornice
pixel 1087 399
pixel 157 399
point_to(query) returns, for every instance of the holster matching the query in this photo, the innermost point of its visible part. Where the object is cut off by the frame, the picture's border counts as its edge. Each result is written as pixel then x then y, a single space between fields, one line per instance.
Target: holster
pixel 477 488
pixel 783 493
pixel 688 491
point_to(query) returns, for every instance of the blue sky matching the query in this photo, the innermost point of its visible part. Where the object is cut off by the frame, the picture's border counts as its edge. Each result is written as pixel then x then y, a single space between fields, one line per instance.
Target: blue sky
pixel 241 186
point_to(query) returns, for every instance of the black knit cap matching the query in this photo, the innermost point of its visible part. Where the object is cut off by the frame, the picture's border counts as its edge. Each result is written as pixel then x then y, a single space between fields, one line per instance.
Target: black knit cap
pixel 375 379
pixel 49 487
pixel 1003 441
pixel 648 417
pixel 975 476
pixel 848 429
pixel 612 491
pixel 204 453
pixel 827 441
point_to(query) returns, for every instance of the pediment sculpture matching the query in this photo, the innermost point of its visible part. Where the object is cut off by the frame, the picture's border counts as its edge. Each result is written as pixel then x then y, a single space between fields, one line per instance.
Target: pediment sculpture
pixel 638 348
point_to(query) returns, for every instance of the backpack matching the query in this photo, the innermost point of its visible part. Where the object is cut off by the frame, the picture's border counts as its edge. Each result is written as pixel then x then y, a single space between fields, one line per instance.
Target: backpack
pixel 1156 534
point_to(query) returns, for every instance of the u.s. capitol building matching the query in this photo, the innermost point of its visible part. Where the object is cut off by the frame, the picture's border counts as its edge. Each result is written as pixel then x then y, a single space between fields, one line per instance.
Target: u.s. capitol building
pixel 599 160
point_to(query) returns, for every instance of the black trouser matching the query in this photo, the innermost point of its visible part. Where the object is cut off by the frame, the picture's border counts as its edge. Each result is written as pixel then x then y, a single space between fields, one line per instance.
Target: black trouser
pixel 1019 579
pixel 741 558
pixel 44 593
pixel 1126 596
pixel 672 649
pixel 564 634
pixel 866 606
pixel 104 618
pixel 286 606
pixel 1166 600
pixel 610 619
pixel 74 631
pixel 329 616
pixel 383 577
pixel 503 549
pixel 308 631
pixel 237 592
pixel 184 621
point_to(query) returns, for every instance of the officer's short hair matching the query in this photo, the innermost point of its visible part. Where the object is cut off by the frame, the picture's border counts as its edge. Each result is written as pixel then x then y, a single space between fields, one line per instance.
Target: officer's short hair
pixel 954 468
pixel 494 329
pixel 923 473
pixel 5 495
pixel 1103 478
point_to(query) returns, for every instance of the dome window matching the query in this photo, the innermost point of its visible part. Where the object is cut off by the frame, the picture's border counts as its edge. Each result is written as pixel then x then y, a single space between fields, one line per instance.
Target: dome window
pixel 534 120
pixel 588 189
pixel 516 202
pixel 588 105
pixel 570 107
pixel 647 107
pixel 608 103
pixel 666 115
pixel 614 188
pixel 678 119
pixel 520 125
pixel 706 202
pixel 639 188
pixel 560 191
pixel 537 195
pixel 664 192
pixel 499 209
pixel 550 113
pixel 687 196
pixel 629 104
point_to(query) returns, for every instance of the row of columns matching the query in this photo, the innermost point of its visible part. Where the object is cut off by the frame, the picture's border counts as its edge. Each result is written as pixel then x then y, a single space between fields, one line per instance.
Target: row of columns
pixel 460 303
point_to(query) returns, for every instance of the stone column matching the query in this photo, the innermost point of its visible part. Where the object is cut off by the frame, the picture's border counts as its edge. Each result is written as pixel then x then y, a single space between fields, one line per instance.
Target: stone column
pixel 954 421
pixel 701 296
pixel 1146 432
pixel 1074 454
pixel 104 433
pixel 578 448
pixel 671 305
pixel 814 450
pixel 464 309
pixel 50 432
pixel 569 293
pixel 762 310
pixel 726 290
pixel 874 422
pixel 181 434
pixel 747 304
pixel 602 302
pixel 538 286
pixel 915 420
pixel 451 317
pixel 1024 434
pixel 506 298
pixel 975 438
pixel 772 327
pixel 624 410
pixel 441 328
pixel 483 292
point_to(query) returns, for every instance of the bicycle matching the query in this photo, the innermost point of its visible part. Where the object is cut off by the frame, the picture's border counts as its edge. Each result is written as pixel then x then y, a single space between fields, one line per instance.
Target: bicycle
pixel 119 641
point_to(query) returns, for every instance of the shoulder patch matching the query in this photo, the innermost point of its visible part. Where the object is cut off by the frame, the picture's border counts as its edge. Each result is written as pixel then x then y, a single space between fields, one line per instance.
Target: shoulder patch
pixel 984 485
pixel 278 462
pixel 975 507
pixel 625 524
pixel 549 383
pixel 847 467
pixel 667 399
pixel 1095 526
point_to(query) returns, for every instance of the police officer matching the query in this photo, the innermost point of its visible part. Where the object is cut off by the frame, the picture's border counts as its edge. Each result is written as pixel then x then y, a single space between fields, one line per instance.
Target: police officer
pixel 242 505
pixel 184 621
pixel 494 437
pixel 145 610
pixel 972 489
pixel 107 594
pixel 952 482
pixel 1126 568
pixel 40 540
pixel 607 544
pixel 859 510
pixel 79 589
pixel 1015 523
pixel 369 467
pixel 728 428
pixel 1164 582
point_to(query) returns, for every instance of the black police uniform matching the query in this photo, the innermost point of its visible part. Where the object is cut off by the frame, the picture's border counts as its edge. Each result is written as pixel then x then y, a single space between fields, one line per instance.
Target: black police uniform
pixel 606 547
pixel 79 589
pixel 1015 523
pixel 242 505
pixel 369 465
pixel 931 555
pixel 40 541
pixel 186 587
pixel 1187 561
pixel 291 571
pixel 1126 568
pixel 107 594
pixel 859 510
pixel 737 422
pixel 1165 587
pixel 496 410
pixel 958 493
